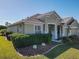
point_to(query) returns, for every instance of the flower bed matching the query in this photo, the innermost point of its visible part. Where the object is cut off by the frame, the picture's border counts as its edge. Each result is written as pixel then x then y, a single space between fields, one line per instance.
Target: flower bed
pixel 29 51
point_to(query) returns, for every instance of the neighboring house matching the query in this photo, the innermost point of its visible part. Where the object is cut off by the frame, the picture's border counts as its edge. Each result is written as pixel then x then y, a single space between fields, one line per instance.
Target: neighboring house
pixel 70 27
pixel 49 22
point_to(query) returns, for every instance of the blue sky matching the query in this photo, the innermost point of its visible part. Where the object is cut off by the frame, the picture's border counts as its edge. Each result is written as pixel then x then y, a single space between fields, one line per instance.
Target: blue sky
pixel 14 10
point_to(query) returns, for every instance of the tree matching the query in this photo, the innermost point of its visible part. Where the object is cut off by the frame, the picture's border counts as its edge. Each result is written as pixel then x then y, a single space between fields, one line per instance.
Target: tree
pixel 3 27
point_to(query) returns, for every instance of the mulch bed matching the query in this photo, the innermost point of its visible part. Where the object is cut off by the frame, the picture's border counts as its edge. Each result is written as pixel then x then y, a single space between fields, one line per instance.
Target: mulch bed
pixel 29 51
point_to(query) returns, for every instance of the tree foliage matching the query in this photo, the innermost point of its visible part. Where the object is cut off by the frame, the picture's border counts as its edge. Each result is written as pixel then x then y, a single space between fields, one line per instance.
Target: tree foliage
pixel 2 27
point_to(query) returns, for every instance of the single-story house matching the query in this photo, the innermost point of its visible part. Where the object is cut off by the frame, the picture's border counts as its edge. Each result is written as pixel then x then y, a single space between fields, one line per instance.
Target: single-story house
pixel 49 22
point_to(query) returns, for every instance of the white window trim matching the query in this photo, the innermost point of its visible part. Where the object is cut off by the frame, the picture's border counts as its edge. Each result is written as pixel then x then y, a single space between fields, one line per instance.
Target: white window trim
pixel 41 25
pixel 37 29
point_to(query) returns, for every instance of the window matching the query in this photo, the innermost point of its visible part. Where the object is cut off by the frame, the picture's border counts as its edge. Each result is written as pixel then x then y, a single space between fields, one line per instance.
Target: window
pixel 37 29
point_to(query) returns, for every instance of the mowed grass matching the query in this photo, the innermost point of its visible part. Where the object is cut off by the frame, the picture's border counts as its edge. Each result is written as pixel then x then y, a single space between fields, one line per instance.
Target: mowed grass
pixel 71 53
pixel 7 51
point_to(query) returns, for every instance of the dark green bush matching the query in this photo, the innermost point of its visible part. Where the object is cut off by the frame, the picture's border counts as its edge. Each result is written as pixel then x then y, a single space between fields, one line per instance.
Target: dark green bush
pixel 73 39
pixel 8 35
pixel 65 39
pixel 2 27
pixel 5 32
pixel 8 32
pixel 21 40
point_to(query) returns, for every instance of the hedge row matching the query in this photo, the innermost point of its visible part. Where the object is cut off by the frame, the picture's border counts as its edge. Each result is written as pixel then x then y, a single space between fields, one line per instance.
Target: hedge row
pixel 73 39
pixel 22 40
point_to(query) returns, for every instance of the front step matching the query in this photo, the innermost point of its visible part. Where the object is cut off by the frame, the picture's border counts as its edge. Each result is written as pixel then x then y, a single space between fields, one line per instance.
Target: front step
pixel 56 40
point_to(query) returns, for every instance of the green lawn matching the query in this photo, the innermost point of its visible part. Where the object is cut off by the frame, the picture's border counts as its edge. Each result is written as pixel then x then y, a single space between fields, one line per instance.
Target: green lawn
pixel 7 51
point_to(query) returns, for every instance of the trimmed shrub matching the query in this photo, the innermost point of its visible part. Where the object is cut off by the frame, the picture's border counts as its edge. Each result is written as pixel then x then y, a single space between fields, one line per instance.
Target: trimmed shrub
pixel 8 35
pixel 3 32
pixel 65 39
pixel 8 32
pixel 22 40
pixel 73 39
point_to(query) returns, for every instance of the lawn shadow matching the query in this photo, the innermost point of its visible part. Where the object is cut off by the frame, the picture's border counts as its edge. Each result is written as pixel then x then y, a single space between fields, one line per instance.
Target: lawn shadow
pixel 76 46
pixel 57 51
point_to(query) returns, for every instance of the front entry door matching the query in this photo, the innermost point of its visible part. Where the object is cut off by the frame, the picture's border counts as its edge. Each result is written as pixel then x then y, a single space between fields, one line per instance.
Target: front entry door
pixel 51 29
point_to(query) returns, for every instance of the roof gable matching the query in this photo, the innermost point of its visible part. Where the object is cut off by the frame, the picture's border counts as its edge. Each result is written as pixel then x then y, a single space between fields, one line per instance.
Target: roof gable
pixel 52 14
pixel 68 20
pixel 74 24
